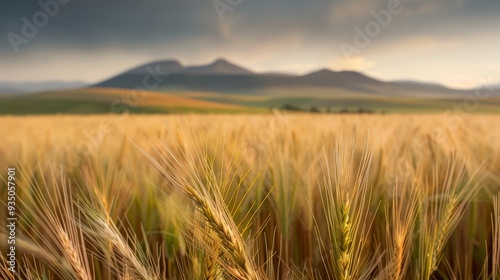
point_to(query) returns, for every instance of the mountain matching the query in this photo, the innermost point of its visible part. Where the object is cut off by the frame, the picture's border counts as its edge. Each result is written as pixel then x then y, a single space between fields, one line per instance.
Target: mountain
pixel 28 87
pixel 412 82
pixel 165 66
pixel 222 86
pixel 220 66
pixel 9 91
pixel 344 79
pixel 173 73
pixel 328 77
pixel 222 76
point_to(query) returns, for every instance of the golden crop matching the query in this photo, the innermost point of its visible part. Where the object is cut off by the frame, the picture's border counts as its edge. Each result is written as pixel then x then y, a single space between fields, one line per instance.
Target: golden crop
pixel 273 196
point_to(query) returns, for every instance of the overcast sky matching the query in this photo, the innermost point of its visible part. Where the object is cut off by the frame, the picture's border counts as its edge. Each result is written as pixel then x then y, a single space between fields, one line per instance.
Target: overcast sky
pixel 454 42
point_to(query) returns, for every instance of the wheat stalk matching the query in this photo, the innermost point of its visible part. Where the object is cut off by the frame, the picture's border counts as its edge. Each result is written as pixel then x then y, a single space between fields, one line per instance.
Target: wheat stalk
pixel 135 266
pixel 443 231
pixel 398 257
pixel 211 268
pixel 345 237
pixel 495 260
pixel 231 241
pixel 72 255
pixel 126 274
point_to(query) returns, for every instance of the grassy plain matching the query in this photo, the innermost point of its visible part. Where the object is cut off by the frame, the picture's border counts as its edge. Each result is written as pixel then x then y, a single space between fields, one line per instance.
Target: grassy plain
pixel 109 100
pixel 172 101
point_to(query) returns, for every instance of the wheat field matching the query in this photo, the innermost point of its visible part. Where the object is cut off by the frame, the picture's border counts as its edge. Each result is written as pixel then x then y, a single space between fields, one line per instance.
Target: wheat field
pixel 271 196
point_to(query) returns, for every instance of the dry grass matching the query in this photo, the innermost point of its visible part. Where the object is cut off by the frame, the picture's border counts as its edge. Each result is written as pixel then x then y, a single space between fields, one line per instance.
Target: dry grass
pixel 254 196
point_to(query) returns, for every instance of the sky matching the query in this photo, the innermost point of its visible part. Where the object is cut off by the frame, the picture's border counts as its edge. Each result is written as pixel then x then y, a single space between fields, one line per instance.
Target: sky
pixel 453 42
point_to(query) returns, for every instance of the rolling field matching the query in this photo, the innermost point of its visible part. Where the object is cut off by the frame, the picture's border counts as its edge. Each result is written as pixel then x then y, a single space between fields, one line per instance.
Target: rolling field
pixel 339 99
pixel 110 100
pixel 171 101
pixel 251 196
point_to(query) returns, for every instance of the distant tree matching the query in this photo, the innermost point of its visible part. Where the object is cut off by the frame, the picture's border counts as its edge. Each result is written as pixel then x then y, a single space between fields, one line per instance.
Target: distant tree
pixel 289 107
pixel 365 111
pixel 314 109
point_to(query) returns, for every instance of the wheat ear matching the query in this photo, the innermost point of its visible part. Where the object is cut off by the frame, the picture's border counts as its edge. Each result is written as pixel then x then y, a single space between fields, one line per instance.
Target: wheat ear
pixel 72 255
pixel 443 231
pixel 345 235
pixel 232 242
pixel 136 268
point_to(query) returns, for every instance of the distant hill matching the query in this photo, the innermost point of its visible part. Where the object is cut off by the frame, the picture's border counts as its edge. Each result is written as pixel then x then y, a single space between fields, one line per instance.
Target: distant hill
pixel 169 66
pixel 222 76
pixel 5 91
pixel 28 87
pixel 222 86
pixel 108 100
pixel 220 67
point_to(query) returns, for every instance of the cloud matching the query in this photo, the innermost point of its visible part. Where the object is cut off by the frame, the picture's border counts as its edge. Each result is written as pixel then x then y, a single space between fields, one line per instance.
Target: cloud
pixel 349 11
pixel 412 8
pixel 273 34
pixel 355 63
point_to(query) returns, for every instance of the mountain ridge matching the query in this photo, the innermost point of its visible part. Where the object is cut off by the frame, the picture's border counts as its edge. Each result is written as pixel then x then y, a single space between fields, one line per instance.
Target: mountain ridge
pixel 224 76
pixel 31 87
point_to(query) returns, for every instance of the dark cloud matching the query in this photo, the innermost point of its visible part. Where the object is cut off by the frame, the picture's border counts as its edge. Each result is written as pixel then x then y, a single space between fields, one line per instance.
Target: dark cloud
pixel 88 23
pixel 192 28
